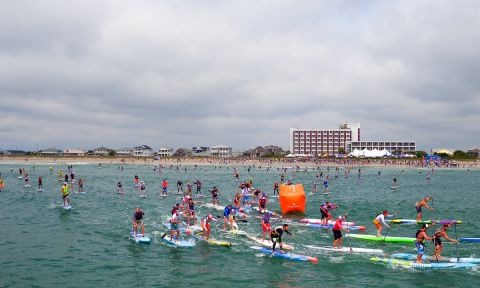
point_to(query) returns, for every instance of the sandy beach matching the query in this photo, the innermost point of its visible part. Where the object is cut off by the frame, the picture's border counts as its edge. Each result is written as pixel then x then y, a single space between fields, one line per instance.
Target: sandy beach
pixel 257 162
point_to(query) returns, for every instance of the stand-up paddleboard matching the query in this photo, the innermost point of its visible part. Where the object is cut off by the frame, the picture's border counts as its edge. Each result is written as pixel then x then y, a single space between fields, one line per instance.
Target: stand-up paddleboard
pixel 20 177
pixel 67 207
pixel 28 185
pixel 236 232
pixel 176 243
pixel 390 239
pixel 214 206
pixel 268 243
pixel 164 195
pixel 39 190
pixel 142 239
pixel 470 240
pixel 433 259
pixel 285 255
pixel 319 221
pixel 142 196
pixel 356 250
pixel 394 187
pixel 256 208
pixel 213 241
pixel 413 221
pixel 412 264
pixel 330 226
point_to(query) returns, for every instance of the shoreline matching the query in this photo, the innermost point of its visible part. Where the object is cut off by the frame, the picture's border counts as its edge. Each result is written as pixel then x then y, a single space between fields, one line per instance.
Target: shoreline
pixel 258 162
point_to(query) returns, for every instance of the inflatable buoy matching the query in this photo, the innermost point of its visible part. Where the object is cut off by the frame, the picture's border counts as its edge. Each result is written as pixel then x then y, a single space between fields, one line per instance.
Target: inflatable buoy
pixel 292 198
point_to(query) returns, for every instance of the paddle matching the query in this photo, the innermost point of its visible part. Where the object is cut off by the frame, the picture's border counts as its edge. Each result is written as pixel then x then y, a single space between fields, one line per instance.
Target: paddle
pixel 349 243
pixel 456 243
pixel 388 229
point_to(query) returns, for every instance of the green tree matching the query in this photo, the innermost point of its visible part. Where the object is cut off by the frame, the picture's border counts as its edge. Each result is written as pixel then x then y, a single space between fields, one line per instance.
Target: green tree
pixel 112 153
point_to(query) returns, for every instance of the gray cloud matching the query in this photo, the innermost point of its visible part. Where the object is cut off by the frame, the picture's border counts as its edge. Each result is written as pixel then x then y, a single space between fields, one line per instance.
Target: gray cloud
pixel 240 73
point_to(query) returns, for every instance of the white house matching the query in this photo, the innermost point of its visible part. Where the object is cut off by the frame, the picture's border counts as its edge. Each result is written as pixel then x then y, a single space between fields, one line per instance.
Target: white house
pixel 165 152
pixel 124 152
pixel 142 151
pixel 102 151
pixel 73 152
pixel 221 151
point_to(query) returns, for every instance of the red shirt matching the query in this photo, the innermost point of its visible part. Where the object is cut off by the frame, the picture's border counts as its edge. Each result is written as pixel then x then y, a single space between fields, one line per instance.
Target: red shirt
pixel 338 224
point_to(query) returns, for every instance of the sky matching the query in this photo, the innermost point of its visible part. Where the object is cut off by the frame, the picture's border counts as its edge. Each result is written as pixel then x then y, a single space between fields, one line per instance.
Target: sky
pixel 239 73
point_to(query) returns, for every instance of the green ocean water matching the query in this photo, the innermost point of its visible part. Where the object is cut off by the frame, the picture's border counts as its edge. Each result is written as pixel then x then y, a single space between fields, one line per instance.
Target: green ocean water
pixel 43 245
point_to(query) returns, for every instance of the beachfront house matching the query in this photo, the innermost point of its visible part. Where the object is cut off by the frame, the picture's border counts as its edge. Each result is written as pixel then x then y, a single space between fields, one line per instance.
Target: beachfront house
pixel 475 152
pixel 50 152
pixel 182 152
pixel 221 151
pixel 124 152
pixel 14 153
pixel 165 152
pixel 74 152
pixel 142 151
pixel 102 151
pixel 200 151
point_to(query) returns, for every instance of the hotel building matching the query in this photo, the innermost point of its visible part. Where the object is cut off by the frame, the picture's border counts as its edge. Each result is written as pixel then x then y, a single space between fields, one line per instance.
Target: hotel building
pixel 390 146
pixel 323 141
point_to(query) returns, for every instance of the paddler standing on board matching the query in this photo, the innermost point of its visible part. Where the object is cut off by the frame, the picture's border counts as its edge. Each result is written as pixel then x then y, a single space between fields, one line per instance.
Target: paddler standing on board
pixel 138 219
pixel 2 183
pixel 421 236
pixel 174 223
pixel 64 190
pixel 437 241
pixel 421 204
pixel 325 211
pixel 262 204
pixel 206 227
pixel 379 220
pixel 276 235
pixel 337 232
pixel 214 192
pixel 226 216
pixel 266 224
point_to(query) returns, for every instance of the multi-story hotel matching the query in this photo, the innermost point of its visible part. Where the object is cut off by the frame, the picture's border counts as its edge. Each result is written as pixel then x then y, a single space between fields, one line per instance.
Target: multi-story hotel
pixel 323 141
pixel 346 137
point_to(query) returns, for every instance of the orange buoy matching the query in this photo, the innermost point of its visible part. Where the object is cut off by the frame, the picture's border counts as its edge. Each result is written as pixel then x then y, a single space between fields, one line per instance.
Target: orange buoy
pixel 292 198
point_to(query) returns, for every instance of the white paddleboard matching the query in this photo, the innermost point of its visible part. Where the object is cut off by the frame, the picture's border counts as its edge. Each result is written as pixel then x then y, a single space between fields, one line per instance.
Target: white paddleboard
pixel 268 243
pixel 68 207
pixel 142 196
pixel 346 249
pixel 143 239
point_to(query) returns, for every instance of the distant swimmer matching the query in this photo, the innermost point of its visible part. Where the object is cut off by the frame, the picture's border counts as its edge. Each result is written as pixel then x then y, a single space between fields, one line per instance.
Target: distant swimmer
pixel 422 203
pixel 421 236
pixel 337 232
pixel 138 220
pixel 428 178
pixel 379 220
pixel 379 174
pixel 437 241
pixel 276 235
pixel 64 190
pixel 394 183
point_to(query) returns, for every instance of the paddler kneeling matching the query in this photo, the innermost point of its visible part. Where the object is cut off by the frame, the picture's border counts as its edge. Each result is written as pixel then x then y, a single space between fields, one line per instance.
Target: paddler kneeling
pixel 441 232
pixel 276 235
pixel 421 236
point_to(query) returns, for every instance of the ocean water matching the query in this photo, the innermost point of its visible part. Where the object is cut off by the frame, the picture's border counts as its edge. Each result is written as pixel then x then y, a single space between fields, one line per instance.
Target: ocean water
pixel 43 245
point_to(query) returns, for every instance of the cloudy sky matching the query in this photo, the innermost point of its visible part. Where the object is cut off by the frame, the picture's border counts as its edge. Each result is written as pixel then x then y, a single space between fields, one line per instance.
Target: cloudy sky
pixel 240 73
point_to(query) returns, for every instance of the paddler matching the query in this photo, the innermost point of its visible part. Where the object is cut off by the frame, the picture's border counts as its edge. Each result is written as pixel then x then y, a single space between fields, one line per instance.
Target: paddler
pixel 337 232
pixel 2 183
pixel 276 235
pixel 138 219
pixel 262 204
pixel 325 211
pixel 40 183
pixel 422 203
pixel 214 192
pixel 379 220
pixel 437 241
pixel 236 200
pixel 421 236
pixel 266 224
pixel 206 226
pixel 226 216
pixel 174 223
pixel 191 212
pixel 164 187
pixel 64 190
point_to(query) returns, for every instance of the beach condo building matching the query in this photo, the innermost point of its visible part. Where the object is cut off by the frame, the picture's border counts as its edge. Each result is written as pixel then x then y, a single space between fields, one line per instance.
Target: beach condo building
pixel 75 152
pixel 124 152
pixel 101 151
pixel 319 142
pixel 142 151
pixel 200 151
pixel 474 152
pixel 221 151
pixel 165 152
pixel 390 146
pixel 50 152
